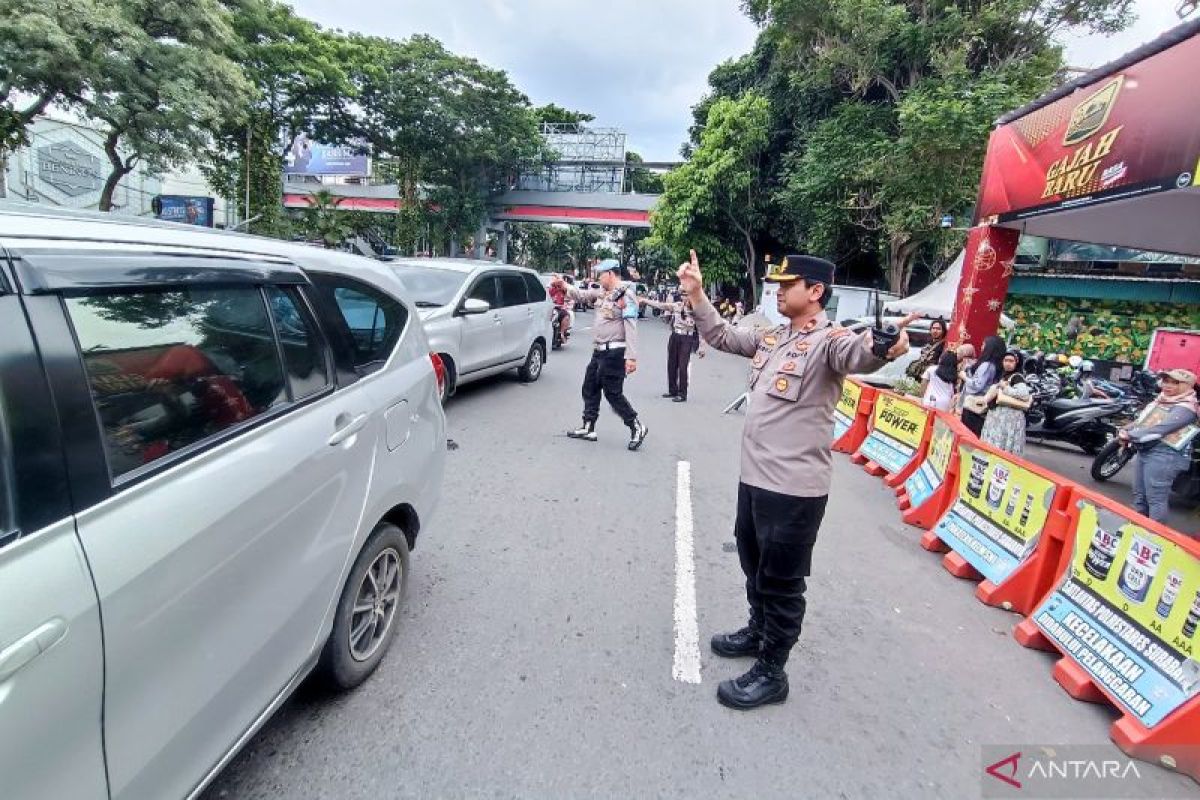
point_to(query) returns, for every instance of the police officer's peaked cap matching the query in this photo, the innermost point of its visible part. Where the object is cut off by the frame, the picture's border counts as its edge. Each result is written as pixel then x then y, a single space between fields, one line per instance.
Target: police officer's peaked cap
pixel 810 268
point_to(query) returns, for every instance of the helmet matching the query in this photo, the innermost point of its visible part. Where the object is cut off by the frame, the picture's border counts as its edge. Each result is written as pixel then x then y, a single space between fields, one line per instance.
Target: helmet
pixel 1075 361
pixel 1062 359
pixel 1086 366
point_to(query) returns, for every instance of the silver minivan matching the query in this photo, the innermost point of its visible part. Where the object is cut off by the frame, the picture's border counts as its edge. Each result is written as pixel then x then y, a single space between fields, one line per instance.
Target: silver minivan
pixel 482 318
pixel 216 453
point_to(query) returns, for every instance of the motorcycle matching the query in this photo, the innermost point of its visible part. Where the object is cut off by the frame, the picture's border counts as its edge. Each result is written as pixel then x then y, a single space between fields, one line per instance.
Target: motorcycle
pixel 1087 424
pixel 559 332
pixel 1113 457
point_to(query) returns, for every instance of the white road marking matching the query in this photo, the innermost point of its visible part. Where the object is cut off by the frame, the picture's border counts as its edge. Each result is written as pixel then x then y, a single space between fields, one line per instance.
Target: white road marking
pixel 687 634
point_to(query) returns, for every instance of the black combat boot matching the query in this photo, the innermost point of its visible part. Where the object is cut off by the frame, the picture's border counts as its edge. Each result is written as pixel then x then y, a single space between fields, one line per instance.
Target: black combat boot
pixel 587 431
pixel 746 642
pixel 766 682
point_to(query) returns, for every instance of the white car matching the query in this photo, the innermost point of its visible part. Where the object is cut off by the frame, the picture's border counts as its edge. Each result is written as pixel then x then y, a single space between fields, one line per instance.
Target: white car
pixel 481 317
pixel 216 452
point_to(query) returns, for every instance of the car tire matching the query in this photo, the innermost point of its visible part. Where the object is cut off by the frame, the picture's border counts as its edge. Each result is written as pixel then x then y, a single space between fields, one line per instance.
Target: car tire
pixel 354 649
pixel 448 385
pixel 531 370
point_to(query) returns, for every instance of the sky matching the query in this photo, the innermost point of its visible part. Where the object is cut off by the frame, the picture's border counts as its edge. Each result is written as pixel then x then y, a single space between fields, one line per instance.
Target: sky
pixel 638 65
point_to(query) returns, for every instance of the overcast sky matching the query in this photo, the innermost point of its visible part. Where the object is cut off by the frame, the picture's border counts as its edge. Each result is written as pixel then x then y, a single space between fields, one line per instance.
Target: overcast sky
pixel 639 65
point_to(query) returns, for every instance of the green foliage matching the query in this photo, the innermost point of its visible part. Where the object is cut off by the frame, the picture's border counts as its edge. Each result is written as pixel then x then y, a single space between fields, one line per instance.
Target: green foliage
pixel 323 220
pixel 552 113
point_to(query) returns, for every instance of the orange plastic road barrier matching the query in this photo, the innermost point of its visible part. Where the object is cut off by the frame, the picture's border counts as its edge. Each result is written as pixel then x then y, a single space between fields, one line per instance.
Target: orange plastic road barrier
pixel 896 439
pixel 932 487
pixel 1125 614
pixel 852 415
pixel 1007 525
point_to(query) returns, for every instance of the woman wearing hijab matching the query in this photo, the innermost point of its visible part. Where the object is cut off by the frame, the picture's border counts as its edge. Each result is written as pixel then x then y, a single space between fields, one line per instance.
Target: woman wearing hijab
pixel 981 376
pixel 1162 435
pixel 938 382
pixel 1008 400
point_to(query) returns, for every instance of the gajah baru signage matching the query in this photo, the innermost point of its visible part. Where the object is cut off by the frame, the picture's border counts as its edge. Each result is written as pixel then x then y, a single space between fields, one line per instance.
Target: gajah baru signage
pixel 1128 134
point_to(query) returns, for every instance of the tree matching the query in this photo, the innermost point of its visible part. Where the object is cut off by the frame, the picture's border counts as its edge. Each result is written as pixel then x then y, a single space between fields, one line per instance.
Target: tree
pixel 163 87
pixel 49 51
pixel 302 79
pixel 324 221
pixel 551 113
pixel 720 193
pixel 641 180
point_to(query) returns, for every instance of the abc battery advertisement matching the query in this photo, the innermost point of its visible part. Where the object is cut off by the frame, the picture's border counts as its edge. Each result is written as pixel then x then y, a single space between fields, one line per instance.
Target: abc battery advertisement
pixel 999 515
pixel 899 429
pixel 1128 612
pixel 932 473
pixel 1126 135
pixel 846 409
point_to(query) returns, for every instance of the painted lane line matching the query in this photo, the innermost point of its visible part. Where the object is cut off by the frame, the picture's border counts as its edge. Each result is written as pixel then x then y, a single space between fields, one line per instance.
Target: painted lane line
pixel 686 667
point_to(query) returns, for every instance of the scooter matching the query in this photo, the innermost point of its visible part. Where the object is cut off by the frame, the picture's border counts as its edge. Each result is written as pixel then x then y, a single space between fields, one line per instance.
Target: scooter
pixel 559 332
pixel 1087 424
pixel 1113 457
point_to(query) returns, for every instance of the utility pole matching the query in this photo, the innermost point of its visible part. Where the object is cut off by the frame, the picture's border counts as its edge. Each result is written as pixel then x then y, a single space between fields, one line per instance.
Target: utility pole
pixel 247 217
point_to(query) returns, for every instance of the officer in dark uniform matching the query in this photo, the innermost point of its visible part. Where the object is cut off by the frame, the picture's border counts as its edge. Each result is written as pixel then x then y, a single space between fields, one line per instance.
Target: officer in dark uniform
pixel 795 381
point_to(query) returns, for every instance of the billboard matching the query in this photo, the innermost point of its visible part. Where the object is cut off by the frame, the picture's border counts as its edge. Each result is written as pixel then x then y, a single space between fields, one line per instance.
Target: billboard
pixel 189 210
pixel 1129 134
pixel 306 157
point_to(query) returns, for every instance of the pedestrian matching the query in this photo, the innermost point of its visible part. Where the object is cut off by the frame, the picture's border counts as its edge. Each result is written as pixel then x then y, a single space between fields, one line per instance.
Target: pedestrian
pixel 938 382
pixel 739 311
pixel 1008 399
pixel 1162 436
pixel 931 354
pixel 614 354
pixel 795 381
pixel 979 378
pixel 683 342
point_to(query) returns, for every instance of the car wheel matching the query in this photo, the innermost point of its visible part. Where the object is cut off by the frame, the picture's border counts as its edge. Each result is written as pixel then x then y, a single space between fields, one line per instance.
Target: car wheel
pixel 451 375
pixel 532 369
pixel 365 621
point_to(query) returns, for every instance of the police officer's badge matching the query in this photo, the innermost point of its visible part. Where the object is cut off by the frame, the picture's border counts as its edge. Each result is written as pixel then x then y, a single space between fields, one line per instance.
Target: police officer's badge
pixel 781 385
pixel 769 341
pixel 789 366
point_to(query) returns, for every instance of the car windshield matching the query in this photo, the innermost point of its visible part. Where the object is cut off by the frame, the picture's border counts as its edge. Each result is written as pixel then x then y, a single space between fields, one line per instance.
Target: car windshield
pixel 429 287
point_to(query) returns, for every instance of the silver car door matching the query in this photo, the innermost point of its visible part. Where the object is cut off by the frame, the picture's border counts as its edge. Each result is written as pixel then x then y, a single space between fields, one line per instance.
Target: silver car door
pixel 51 657
pixel 236 475
pixel 483 343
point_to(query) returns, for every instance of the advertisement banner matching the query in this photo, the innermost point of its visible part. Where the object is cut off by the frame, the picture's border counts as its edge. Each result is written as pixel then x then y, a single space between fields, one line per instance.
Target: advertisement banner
pixel 185 209
pixel 899 428
pixel 932 473
pixel 1128 611
pixel 846 409
pixel 306 157
pixel 1128 134
pixel 999 515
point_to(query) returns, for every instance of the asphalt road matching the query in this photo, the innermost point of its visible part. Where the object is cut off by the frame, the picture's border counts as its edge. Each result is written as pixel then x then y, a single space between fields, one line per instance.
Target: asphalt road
pixel 536 648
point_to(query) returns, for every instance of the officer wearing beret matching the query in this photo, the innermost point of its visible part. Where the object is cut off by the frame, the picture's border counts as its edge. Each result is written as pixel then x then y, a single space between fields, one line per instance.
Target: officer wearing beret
pixel 796 376
pixel 614 353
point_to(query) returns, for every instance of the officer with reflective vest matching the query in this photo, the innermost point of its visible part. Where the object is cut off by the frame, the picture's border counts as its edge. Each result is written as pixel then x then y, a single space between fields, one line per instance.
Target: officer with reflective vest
pixel 795 381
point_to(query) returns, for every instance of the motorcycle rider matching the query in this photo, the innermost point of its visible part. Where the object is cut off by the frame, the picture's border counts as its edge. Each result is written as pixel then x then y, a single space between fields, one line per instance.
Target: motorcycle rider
pixel 1088 390
pixel 562 312
pixel 1162 436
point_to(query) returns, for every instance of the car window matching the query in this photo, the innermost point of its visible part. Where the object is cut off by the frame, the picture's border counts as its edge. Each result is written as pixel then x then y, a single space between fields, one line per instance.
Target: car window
pixel 171 368
pixel 486 290
pixel 373 318
pixel 429 287
pixel 513 291
pixel 537 292
pixel 302 345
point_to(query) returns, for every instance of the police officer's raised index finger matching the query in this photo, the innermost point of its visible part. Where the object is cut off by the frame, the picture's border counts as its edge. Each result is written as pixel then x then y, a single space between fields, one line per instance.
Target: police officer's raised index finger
pixel 695 261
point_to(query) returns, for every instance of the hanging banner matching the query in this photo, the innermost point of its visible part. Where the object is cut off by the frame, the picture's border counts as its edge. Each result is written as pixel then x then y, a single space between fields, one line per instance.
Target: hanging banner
pixel 899 427
pixel 929 477
pixel 999 515
pixel 846 409
pixel 1128 612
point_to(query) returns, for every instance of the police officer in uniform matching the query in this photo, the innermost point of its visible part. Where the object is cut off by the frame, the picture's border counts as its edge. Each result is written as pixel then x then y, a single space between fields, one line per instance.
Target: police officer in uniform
pixel 795 381
pixel 684 339
pixel 614 345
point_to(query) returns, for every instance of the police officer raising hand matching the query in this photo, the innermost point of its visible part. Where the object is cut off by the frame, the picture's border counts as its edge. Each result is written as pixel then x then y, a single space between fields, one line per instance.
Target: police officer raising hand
pixel 796 375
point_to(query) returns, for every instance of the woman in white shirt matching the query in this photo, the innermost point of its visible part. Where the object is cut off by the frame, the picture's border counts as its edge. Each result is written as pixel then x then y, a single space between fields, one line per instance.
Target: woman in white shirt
pixel 937 386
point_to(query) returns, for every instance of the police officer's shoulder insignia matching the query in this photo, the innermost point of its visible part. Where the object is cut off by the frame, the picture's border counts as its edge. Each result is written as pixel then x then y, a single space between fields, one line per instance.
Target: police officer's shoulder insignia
pixel 781 385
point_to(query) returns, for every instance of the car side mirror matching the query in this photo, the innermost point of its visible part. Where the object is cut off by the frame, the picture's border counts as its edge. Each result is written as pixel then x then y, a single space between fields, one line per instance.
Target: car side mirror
pixel 472 306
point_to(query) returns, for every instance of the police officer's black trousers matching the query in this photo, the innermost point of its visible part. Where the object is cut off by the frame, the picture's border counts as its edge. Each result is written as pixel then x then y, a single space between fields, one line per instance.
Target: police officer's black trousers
pixel 606 373
pixel 679 355
pixel 775 537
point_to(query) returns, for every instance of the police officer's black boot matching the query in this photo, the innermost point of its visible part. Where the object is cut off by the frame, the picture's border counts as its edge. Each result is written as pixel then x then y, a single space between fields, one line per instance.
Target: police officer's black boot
pixel 746 642
pixel 766 682
pixel 587 431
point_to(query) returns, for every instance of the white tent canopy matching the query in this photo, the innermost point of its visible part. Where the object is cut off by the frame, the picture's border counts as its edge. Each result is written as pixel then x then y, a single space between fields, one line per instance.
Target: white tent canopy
pixel 937 299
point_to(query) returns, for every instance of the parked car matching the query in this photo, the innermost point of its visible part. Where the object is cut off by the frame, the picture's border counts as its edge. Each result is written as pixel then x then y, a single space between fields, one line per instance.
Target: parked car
pixel 216 453
pixel 482 318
